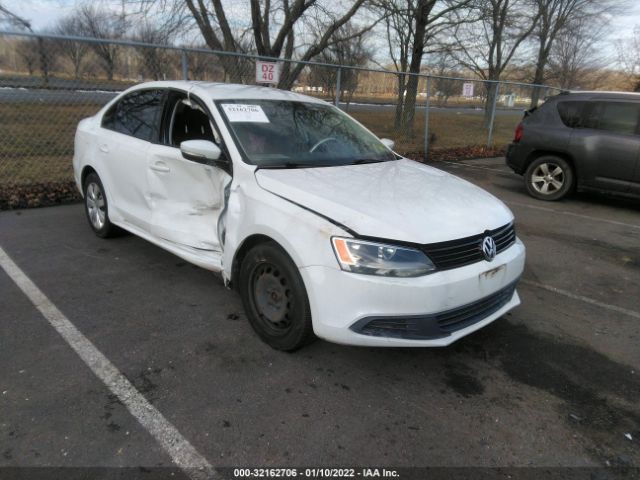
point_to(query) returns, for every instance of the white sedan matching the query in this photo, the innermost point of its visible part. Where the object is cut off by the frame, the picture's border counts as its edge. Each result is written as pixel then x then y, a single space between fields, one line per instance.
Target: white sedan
pixel 319 225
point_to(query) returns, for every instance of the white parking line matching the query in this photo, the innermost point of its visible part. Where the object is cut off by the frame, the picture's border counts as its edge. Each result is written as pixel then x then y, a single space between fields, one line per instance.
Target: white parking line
pixel 184 455
pixel 577 215
pixel 582 298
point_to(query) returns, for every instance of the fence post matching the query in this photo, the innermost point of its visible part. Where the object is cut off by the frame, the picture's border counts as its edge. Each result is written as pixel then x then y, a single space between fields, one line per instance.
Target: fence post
pixel 185 65
pixel 426 119
pixel 493 114
pixel 338 75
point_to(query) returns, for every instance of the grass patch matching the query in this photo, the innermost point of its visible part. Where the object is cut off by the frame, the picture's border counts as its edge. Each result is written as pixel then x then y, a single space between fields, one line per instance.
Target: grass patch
pixel 446 130
pixel 36 140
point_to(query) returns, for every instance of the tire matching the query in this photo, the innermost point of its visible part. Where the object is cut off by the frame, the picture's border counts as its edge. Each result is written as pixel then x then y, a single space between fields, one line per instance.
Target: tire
pixel 274 298
pixel 97 208
pixel 549 178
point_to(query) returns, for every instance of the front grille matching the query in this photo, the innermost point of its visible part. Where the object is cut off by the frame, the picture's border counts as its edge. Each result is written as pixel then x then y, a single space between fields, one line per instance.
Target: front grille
pixel 439 325
pixel 465 251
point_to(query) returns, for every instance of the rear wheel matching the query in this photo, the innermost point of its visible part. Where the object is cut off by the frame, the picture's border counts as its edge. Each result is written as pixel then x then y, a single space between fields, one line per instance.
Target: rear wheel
pixel 549 178
pixel 97 208
pixel 275 299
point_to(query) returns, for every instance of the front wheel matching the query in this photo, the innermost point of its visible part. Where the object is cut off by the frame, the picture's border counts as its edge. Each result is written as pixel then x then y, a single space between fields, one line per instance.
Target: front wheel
pixel 549 178
pixel 275 299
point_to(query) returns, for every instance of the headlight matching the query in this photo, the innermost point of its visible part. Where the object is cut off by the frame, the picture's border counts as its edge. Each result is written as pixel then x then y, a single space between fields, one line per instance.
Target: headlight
pixel 372 258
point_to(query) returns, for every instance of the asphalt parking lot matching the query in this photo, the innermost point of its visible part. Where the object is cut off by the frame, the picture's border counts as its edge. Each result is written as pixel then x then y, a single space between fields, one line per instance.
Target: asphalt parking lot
pixel 554 383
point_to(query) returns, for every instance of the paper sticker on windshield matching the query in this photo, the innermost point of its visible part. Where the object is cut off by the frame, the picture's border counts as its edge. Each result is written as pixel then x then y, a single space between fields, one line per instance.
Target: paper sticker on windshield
pixel 238 112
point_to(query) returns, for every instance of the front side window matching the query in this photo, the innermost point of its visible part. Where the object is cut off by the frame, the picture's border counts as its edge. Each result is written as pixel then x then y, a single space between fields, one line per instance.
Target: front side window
pixel 137 114
pixel 619 117
pixel 289 134
pixel 189 121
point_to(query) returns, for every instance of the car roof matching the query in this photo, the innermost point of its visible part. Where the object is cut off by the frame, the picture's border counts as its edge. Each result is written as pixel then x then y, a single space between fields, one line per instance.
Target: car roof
pixel 222 91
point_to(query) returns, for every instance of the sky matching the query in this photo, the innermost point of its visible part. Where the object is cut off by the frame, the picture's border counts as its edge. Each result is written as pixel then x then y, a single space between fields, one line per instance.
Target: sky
pixel 44 13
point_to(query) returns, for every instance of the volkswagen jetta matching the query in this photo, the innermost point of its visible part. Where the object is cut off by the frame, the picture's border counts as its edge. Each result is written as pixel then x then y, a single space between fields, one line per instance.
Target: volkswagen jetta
pixel 321 227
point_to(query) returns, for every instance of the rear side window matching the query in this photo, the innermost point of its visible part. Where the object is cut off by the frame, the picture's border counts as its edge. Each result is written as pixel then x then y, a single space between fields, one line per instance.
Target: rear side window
pixel 137 114
pixel 571 113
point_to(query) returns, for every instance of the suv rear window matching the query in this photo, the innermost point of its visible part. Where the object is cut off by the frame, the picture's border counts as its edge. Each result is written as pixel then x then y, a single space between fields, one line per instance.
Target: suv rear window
pixel 570 113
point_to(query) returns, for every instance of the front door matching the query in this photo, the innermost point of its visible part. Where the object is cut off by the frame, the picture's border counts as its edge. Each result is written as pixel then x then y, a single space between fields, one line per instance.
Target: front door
pixel 608 144
pixel 187 198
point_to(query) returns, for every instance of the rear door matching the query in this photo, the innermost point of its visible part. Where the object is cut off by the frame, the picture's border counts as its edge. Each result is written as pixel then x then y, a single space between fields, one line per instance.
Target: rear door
pixel 607 146
pixel 187 198
pixel 128 128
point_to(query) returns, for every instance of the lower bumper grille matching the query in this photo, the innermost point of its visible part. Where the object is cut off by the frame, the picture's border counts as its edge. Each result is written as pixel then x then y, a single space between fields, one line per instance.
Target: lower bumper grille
pixel 437 325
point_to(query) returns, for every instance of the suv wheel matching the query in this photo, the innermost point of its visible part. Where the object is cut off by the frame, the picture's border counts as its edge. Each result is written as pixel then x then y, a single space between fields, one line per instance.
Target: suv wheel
pixel 275 299
pixel 549 178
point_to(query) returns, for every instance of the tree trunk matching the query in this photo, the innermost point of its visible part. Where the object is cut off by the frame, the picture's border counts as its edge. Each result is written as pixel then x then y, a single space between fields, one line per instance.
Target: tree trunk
pixel 410 104
pixel 421 15
pixel 538 79
pixel 44 61
pixel 489 102
pixel 400 105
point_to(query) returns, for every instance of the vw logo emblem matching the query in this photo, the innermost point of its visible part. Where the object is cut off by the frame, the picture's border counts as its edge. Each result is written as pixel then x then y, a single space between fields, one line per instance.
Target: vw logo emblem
pixel 488 248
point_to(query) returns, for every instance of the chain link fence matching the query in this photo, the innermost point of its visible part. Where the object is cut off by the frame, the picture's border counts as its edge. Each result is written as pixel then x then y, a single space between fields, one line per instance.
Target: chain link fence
pixel 48 83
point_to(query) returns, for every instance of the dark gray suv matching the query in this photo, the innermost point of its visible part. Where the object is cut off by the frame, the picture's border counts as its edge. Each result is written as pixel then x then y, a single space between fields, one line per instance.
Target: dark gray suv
pixel 579 140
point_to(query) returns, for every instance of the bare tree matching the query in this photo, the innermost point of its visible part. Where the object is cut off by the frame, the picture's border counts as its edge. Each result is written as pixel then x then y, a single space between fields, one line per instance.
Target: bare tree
pixel 629 57
pixel 102 24
pixel 411 25
pixel 201 64
pixel 28 51
pixel 75 52
pixel 346 50
pixel 554 17
pixel 575 53
pixel 275 25
pixel 443 66
pixel 154 60
pixel 7 16
pixel 488 46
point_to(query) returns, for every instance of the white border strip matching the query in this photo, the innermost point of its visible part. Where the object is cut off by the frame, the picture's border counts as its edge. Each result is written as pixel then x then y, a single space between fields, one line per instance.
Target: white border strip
pixel 183 454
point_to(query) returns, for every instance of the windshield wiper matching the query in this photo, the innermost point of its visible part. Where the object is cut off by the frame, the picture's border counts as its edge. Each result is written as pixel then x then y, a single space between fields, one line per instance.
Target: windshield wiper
pixel 293 165
pixel 361 161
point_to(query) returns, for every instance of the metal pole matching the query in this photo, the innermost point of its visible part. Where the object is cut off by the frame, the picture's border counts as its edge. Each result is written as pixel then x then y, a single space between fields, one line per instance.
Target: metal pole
pixel 185 65
pixel 338 75
pixel 426 119
pixel 493 113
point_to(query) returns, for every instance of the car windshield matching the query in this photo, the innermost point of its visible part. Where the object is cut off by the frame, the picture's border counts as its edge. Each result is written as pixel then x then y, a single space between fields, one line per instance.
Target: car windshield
pixel 286 134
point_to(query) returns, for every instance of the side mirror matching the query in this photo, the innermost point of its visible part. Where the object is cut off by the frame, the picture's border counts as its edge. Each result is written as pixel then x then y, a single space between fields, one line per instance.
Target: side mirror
pixel 388 143
pixel 201 151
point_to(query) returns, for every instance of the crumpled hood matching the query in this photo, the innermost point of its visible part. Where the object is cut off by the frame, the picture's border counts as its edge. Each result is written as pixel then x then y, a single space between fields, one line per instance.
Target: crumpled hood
pixel 399 200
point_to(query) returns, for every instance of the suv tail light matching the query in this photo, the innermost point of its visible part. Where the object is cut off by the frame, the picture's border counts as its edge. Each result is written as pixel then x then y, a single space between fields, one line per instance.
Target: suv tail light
pixel 518 135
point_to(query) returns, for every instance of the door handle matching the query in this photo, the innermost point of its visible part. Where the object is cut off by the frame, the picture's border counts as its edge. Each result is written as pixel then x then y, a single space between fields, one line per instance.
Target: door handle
pixel 104 148
pixel 160 167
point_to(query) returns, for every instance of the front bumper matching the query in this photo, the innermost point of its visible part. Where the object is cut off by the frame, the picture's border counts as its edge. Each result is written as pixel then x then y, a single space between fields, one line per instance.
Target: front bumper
pixel 342 302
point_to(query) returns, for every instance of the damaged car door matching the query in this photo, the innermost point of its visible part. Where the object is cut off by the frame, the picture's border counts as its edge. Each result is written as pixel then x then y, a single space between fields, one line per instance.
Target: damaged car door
pixel 187 196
